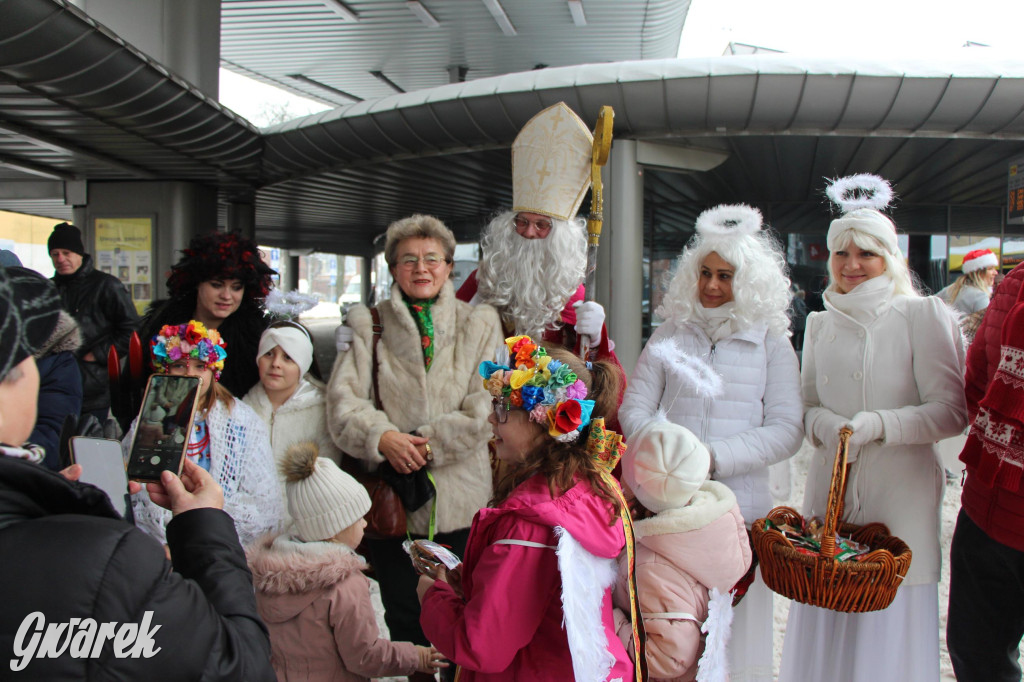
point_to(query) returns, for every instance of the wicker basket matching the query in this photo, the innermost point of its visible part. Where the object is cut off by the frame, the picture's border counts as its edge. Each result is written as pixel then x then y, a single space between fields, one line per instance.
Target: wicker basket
pixel 820 580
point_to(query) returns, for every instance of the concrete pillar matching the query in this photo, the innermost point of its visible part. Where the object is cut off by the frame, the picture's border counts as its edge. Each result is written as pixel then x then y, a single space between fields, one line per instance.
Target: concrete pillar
pixel 291 274
pixel 620 258
pixel 178 210
pixel 242 219
pixel 183 35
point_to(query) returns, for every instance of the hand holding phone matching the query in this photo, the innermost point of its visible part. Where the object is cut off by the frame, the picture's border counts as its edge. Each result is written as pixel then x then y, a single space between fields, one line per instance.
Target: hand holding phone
pixel 194 489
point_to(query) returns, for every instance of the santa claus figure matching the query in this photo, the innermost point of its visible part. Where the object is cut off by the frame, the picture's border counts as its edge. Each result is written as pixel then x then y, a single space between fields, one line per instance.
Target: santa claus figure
pixel 535 255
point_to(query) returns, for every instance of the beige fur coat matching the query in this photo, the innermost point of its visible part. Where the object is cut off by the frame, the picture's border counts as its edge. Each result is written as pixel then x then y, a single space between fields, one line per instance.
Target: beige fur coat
pixel 448 404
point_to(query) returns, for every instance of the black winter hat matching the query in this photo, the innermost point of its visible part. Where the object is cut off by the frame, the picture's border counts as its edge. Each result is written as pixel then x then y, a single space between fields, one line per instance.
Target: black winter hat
pixel 66 236
pixel 29 310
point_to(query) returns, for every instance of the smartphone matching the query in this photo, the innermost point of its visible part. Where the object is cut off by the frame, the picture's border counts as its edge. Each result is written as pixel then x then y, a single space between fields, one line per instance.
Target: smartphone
pixel 103 466
pixel 163 427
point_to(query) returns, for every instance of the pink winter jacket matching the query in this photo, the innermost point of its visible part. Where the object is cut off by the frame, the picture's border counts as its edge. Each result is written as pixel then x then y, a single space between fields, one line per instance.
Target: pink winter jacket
pixel 316 604
pixel 681 554
pixel 510 626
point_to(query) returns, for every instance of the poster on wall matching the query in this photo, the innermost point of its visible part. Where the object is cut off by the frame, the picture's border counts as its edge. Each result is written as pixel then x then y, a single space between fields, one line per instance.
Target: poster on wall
pixel 124 250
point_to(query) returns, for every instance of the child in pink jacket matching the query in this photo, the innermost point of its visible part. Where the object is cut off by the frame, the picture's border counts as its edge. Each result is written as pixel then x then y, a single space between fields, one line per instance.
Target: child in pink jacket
pixel 532 599
pixel 310 589
pixel 690 541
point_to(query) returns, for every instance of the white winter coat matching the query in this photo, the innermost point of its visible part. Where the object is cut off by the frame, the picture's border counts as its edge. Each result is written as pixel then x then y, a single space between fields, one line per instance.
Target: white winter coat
pixel 448 404
pixel 755 423
pixel 907 364
pixel 303 417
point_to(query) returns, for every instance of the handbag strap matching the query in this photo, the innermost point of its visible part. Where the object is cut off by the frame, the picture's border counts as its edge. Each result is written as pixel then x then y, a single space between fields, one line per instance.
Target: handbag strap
pixel 378 328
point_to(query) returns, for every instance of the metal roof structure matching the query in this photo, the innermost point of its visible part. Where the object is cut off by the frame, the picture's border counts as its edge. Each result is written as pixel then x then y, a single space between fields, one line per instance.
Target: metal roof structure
pixel 77 102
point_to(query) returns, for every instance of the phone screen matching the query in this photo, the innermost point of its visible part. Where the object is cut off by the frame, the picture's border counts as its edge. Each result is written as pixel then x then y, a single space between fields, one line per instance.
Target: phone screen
pixel 103 466
pixel 163 426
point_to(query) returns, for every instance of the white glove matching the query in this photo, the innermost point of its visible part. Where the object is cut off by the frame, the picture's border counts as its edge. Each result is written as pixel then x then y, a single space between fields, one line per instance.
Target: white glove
pixel 825 430
pixel 343 338
pixel 589 320
pixel 867 427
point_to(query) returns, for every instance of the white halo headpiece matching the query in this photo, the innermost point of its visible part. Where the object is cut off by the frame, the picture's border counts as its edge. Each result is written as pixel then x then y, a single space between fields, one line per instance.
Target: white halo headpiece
pixel 289 304
pixel 863 190
pixel 730 219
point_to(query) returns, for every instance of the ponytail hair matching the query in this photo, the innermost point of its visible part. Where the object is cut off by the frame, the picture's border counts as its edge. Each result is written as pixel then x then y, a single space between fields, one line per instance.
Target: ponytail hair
pixel 562 463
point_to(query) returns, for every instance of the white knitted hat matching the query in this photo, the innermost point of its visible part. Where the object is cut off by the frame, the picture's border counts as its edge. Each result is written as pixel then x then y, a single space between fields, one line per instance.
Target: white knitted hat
pixel 322 499
pixel 664 465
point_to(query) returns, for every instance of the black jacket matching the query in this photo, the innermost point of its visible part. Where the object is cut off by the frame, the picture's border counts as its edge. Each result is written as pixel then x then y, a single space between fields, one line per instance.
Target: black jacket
pixel 106 316
pixel 65 553
pixel 241 332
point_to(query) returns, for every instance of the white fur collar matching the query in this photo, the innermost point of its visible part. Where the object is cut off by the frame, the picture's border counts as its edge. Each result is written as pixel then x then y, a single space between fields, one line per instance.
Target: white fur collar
pixel 711 502
pixel 283 565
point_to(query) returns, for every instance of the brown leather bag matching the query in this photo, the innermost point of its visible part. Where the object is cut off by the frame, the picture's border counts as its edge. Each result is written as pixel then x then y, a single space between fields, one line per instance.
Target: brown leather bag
pixel 386 518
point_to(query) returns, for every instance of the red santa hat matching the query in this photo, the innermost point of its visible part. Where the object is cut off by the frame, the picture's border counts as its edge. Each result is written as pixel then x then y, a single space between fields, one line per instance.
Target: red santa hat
pixel 979 259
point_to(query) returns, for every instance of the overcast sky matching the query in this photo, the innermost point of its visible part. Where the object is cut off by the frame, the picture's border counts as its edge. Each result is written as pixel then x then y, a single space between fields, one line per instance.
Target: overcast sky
pixel 826 28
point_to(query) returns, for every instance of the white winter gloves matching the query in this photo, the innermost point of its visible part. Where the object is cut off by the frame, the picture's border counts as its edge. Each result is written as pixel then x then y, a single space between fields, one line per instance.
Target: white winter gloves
pixel 867 427
pixel 825 427
pixel 343 338
pixel 589 321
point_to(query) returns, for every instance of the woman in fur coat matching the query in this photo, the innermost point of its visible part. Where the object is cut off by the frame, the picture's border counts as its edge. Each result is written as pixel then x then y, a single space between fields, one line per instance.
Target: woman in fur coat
pixel 291 397
pixel 533 597
pixel 228 439
pixel 889 364
pixel 434 408
pixel 722 366
pixel 310 587
pixel 691 548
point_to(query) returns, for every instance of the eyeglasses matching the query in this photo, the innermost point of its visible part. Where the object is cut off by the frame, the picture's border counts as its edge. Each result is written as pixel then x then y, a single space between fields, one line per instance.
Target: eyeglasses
pixel 500 409
pixel 522 223
pixel 430 260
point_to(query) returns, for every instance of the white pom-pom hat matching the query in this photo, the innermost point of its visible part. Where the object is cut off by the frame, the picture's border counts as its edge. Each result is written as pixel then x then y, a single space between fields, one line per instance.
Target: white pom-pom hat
pixel 861 198
pixel 979 259
pixel 665 464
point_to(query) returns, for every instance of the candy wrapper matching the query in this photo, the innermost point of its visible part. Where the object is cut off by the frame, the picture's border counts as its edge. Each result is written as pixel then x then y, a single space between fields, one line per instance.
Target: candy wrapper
pixel 807 540
pixel 427 556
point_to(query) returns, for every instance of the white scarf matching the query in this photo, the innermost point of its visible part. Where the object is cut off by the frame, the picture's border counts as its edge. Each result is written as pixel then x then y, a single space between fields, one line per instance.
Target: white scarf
pixel 718 323
pixel 865 302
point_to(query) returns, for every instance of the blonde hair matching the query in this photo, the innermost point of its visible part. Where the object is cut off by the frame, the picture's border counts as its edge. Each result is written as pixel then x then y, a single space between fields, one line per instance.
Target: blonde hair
pixel 895 265
pixel 971 279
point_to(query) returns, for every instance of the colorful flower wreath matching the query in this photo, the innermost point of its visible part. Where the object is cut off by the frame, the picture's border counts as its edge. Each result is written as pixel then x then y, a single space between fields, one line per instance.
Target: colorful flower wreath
pixel 527 378
pixel 192 340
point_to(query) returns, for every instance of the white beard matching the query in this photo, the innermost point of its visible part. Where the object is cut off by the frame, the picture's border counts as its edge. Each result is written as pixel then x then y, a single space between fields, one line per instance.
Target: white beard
pixel 529 281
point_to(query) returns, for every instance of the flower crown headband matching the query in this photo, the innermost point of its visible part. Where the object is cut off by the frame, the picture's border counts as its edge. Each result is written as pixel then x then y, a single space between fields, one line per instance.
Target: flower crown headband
pixel 193 340
pixel 526 377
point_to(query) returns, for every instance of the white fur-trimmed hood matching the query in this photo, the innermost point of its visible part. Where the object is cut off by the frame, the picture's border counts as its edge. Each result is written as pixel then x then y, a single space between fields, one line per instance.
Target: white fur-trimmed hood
pixel 711 502
pixel 283 565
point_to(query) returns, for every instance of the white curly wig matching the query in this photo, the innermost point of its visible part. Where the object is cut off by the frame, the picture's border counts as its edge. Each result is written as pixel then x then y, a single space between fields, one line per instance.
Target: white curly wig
pixel 530 280
pixel 760 286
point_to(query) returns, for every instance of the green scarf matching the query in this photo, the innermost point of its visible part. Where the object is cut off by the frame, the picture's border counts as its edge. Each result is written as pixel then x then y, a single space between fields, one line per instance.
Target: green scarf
pixel 425 323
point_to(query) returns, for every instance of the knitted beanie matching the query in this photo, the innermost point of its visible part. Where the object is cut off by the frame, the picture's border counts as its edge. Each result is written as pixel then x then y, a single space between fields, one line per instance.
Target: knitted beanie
pixel 665 464
pixel 29 311
pixel 979 259
pixel 322 499
pixel 66 236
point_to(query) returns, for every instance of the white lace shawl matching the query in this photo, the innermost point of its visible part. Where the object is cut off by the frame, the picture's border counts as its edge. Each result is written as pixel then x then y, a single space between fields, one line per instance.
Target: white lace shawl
pixel 241 462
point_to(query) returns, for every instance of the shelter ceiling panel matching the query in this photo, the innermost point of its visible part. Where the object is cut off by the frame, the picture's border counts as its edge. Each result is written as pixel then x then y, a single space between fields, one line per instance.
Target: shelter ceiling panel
pixel 777 100
pixel 870 99
pixel 823 102
pixel 915 103
pixel 1003 111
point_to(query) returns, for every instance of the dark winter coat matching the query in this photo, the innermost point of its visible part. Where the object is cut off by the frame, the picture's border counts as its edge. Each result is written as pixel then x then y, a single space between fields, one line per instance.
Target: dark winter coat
pixel 241 332
pixel 66 554
pixel 60 388
pixel 106 316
